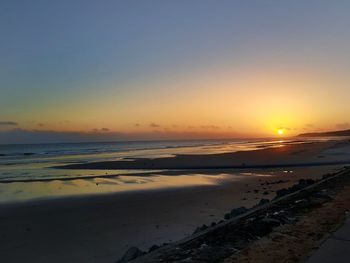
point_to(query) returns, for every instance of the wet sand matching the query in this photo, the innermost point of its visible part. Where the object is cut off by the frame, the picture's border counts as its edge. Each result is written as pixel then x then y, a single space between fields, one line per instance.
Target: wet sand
pixel 102 228
pixel 282 155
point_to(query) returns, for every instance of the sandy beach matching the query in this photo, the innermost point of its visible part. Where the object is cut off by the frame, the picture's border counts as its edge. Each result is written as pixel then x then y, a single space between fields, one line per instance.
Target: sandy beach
pixel 102 228
pixel 280 155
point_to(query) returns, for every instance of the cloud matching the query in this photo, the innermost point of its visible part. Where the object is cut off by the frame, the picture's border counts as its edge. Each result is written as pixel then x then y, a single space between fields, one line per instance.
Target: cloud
pixel 137 124
pixel 96 130
pixel 213 127
pixel 342 126
pixel 46 136
pixel 8 123
pixel 154 125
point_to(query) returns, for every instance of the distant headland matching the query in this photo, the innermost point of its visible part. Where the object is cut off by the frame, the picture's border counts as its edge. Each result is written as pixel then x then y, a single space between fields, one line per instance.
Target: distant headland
pixel 329 133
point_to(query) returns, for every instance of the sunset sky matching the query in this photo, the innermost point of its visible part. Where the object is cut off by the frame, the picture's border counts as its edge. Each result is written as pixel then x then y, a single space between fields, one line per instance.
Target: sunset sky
pixel 171 69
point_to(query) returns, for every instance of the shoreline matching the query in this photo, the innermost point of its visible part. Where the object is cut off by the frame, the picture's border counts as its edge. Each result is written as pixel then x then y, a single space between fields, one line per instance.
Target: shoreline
pixel 284 155
pixel 175 172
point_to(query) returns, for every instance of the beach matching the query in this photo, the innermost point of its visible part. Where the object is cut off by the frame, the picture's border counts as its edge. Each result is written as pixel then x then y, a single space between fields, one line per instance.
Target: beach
pixel 280 154
pixel 97 219
pixel 102 228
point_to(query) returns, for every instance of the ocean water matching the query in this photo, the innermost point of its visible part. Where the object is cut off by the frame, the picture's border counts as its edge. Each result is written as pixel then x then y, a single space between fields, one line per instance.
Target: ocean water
pixel 34 161
pixel 26 170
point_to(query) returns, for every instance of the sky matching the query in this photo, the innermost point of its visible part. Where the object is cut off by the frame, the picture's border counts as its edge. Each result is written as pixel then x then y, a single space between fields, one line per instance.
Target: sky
pixel 172 69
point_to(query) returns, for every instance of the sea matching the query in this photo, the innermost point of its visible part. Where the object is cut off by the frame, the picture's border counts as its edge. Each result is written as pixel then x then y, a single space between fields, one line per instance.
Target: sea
pixel 26 170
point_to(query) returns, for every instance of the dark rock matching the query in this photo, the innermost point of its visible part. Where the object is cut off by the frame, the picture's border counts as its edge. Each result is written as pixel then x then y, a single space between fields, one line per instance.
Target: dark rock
pixel 238 211
pixel 259 228
pixel 271 221
pixel 152 248
pixel 131 254
pixel 200 229
pixel 300 185
pixel 235 212
pixel 263 201
pixel 282 192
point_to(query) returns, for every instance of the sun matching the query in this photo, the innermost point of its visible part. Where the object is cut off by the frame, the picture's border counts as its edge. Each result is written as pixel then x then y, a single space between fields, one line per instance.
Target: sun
pixel 280 131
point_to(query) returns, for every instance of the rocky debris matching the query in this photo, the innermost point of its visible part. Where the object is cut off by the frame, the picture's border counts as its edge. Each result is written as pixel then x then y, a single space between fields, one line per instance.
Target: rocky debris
pixel 300 185
pixel 131 254
pixel 263 201
pixel 236 212
pixel 199 229
pixel 152 248
pixel 223 241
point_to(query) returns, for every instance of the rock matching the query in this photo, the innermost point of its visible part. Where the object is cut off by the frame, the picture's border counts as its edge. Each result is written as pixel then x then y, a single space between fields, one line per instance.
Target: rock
pixel 263 201
pixel 203 246
pixel 152 248
pixel 187 260
pixel 282 192
pixel 199 229
pixel 300 185
pixel 271 221
pixel 259 228
pixel 238 211
pixel 131 254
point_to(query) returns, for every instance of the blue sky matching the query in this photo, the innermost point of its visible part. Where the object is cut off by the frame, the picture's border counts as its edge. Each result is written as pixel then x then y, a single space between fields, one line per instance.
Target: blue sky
pixel 95 63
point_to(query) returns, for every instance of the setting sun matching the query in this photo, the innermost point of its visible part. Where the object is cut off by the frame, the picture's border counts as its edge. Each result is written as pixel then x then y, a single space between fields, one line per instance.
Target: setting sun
pixel 280 131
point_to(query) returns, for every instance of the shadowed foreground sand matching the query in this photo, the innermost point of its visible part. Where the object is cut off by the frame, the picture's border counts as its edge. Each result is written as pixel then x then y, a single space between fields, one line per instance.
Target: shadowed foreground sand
pixel 102 228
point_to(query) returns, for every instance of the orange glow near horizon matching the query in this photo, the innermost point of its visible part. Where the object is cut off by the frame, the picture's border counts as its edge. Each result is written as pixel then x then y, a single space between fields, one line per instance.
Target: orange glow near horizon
pixel 247 103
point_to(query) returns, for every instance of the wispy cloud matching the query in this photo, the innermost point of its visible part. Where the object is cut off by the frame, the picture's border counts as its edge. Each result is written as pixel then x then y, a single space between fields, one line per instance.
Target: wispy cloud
pixel 101 130
pixel 212 127
pixel 154 125
pixel 8 123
